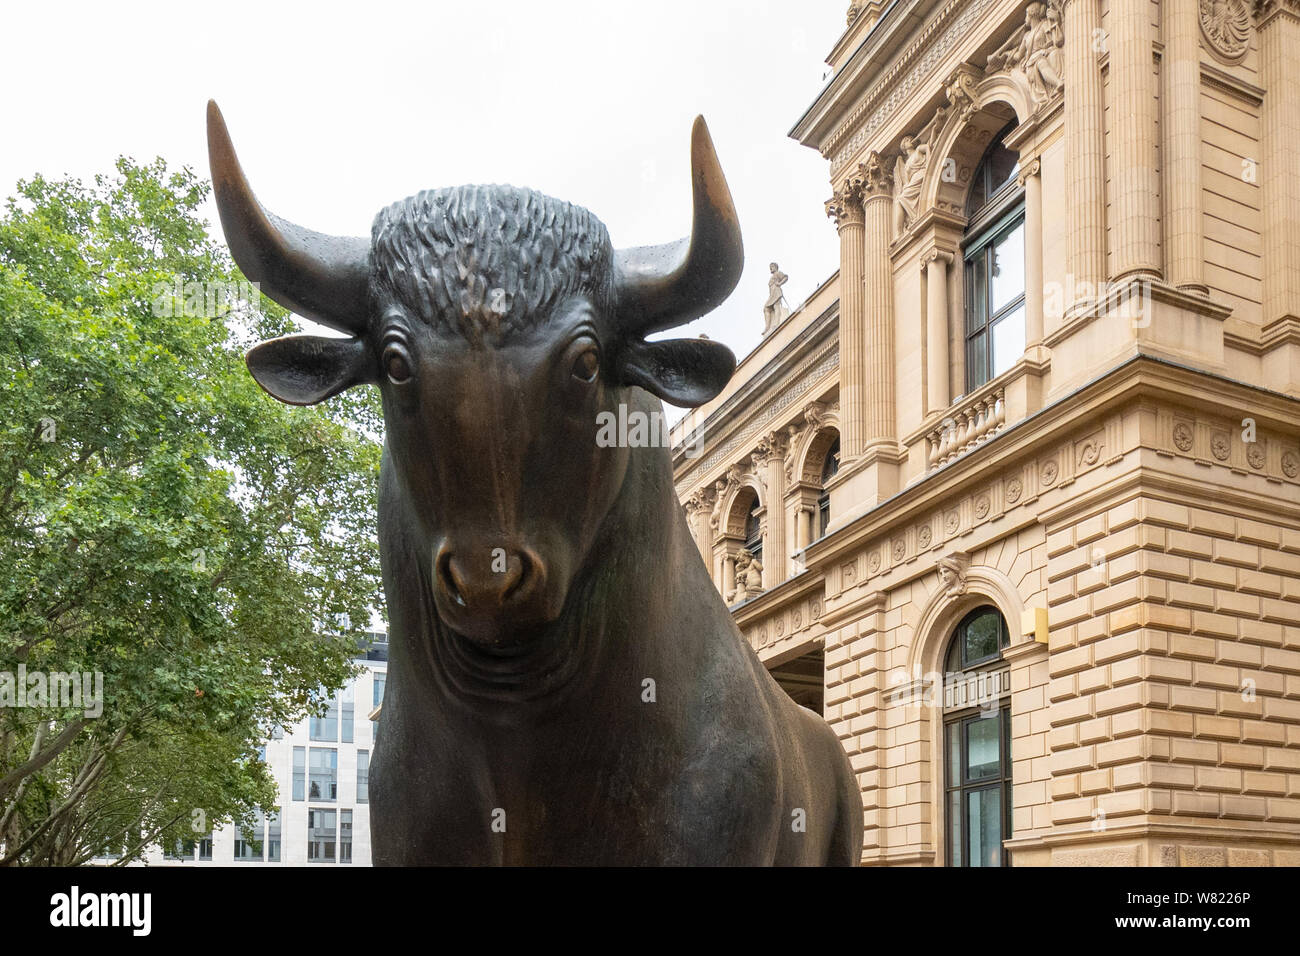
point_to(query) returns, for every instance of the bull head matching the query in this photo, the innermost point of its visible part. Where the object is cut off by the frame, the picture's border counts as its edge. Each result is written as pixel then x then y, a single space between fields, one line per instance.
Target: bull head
pixel 497 324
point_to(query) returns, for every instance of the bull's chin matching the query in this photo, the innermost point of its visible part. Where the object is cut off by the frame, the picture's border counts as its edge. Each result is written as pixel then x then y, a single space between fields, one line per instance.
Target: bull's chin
pixel 499 633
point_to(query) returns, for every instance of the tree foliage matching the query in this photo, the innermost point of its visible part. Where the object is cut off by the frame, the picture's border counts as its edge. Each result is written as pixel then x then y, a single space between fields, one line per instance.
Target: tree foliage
pixel 164 523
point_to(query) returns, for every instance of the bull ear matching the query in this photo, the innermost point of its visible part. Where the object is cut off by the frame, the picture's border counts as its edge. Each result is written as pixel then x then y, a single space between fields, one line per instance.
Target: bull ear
pixel 306 369
pixel 683 372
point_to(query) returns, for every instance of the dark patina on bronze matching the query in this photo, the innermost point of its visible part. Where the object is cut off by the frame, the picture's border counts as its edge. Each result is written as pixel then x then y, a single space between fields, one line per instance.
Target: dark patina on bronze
pixel 566 686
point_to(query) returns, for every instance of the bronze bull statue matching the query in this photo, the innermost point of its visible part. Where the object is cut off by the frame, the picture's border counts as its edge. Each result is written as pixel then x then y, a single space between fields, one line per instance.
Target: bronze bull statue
pixel 566 685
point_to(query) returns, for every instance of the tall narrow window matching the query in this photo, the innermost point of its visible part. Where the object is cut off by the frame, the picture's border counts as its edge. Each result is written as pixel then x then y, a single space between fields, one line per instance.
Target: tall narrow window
pixel 994 254
pixel 321 835
pixel 273 837
pixel 754 531
pixel 299 773
pixel 830 467
pixel 323 776
pixel 205 846
pixel 347 699
pixel 363 776
pixel 977 741
pixel 248 842
pixel 345 836
pixel 378 692
pixel 326 726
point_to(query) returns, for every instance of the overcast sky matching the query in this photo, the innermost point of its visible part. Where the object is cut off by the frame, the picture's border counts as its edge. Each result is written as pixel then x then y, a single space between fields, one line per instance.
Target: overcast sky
pixel 339 109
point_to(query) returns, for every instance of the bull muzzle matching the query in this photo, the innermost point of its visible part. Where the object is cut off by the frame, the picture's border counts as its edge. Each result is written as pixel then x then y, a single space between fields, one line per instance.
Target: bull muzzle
pixel 493 594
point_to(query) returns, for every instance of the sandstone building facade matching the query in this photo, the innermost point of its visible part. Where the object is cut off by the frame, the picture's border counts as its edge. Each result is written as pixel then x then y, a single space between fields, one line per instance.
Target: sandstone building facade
pixel 1013 498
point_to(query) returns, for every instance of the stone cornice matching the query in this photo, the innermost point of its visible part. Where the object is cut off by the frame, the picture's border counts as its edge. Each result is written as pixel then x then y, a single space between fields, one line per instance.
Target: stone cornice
pixel 1115 389
pixel 1266 11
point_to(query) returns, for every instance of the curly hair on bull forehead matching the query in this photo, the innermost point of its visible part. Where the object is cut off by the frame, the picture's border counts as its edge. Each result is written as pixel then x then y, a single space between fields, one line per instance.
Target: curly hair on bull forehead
pixel 484 261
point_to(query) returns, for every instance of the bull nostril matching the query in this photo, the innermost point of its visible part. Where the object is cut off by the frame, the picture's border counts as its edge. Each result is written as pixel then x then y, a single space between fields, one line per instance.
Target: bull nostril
pixel 451 580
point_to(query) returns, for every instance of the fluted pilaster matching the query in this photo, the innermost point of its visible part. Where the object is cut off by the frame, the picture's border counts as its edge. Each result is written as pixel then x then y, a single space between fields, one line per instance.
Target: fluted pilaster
pixel 1135 224
pixel 878 278
pixel 1279 48
pixel 846 209
pixel 1085 147
pixel 1184 252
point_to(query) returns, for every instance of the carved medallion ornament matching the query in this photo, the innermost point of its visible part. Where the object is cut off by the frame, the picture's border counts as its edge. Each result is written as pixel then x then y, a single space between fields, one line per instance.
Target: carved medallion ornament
pixel 1290 464
pixel 1221 446
pixel 924 537
pixel 1183 436
pixel 1014 489
pixel 1255 455
pixel 1226 26
pixel 1049 473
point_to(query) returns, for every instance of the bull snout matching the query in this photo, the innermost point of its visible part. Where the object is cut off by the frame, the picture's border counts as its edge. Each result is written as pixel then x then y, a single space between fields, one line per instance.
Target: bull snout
pixel 490 592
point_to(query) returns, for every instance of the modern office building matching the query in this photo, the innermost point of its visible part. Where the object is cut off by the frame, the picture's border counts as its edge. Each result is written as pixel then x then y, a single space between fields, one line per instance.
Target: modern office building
pixel 321 769
pixel 1013 498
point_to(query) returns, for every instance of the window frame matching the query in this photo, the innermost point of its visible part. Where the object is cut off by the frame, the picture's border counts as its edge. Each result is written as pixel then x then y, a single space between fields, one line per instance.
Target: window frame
pixel 1001 213
pixel 956 721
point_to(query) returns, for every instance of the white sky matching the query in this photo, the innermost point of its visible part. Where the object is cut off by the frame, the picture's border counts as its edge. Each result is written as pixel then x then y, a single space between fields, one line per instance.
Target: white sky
pixel 339 109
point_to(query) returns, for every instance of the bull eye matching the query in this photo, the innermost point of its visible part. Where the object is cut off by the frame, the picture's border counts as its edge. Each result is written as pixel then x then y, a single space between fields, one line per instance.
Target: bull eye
pixel 396 365
pixel 586 365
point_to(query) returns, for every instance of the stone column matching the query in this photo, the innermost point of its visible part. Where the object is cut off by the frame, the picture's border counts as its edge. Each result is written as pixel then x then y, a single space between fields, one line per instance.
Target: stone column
pixel 1134 184
pixel 1181 162
pixel 1085 150
pixel 1279 49
pixel 728 575
pixel 878 275
pixel 770 456
pixel 937 368
pixel 1031 179
pixel 846 209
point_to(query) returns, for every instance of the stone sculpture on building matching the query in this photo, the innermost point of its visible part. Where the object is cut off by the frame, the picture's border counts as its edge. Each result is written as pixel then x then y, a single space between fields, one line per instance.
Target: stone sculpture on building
pixel 909 172
pixel 1036 51
pixel 775 309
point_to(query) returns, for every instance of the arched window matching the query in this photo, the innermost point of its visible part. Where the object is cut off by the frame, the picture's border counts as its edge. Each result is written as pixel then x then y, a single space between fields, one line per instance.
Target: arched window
pixel 977 741
pixel 994 254
pixel 754 531
pixel 829 468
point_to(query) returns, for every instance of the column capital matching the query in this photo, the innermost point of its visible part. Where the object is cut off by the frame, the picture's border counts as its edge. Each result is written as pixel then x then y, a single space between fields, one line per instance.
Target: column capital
pixel 877 183
pixel 937 255
pixel 845 206
pixel 1030 169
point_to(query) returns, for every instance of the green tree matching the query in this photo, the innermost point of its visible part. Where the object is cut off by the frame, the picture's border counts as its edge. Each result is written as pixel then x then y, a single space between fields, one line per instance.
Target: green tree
pixel 162 522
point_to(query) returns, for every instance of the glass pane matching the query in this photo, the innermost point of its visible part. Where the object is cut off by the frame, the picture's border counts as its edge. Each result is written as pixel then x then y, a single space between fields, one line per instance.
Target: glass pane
pixel 954 755
pixel 977 361
pixel 985 810
pixel 982 637
pixel 954 826
pixel 1008 279
pixel 977 288
pixel 1003 166
pixel 1008 340
pixel 378 697
pixel 983 759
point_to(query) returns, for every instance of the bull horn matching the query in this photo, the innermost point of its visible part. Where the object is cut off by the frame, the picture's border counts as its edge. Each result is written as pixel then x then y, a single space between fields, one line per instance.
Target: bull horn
pixel 658 287
pixel 320 277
